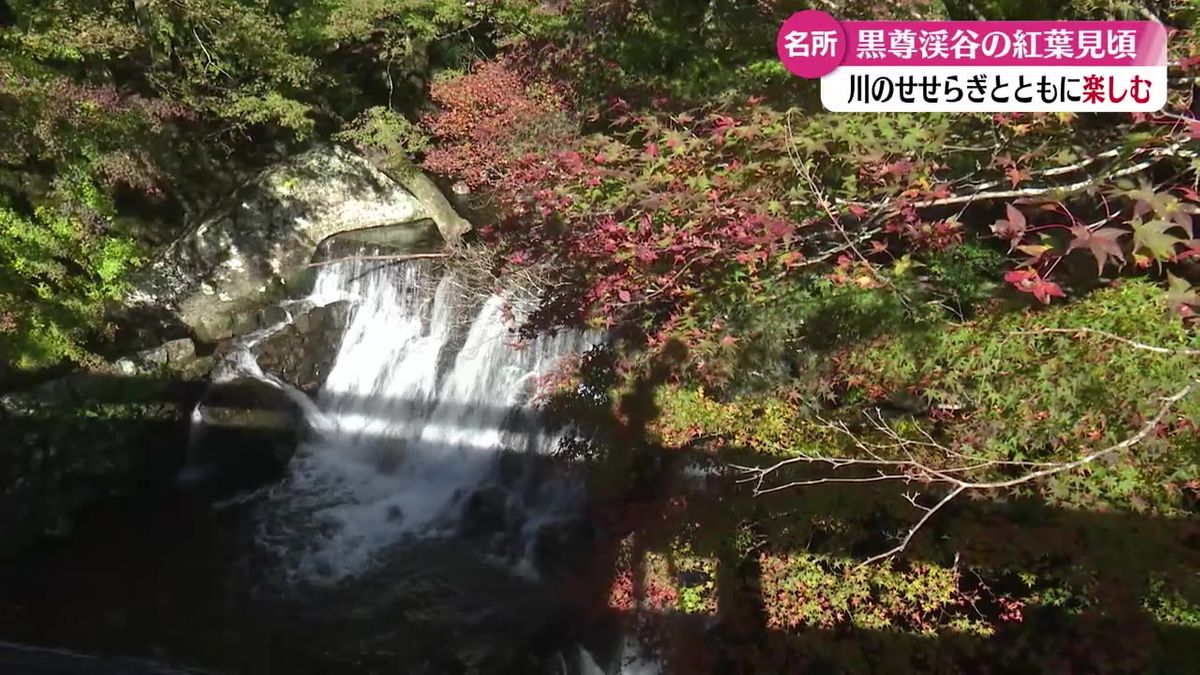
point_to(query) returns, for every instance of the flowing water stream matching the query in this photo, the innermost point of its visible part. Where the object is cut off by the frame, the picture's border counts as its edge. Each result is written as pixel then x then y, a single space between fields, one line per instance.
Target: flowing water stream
pixel 427 393
pixel 415 529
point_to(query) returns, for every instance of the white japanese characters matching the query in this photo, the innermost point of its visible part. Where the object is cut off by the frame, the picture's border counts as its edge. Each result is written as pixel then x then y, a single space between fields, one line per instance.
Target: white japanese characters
pixel 804 44
pixel 965 44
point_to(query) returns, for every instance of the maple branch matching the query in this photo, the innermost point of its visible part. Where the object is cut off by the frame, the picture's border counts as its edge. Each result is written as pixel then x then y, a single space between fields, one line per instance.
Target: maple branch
pixel 822 199
pixel 912 531
pixel 1037 191
pixel 1168 403
pixel 827 206
pixel 675 277
pixel 981 194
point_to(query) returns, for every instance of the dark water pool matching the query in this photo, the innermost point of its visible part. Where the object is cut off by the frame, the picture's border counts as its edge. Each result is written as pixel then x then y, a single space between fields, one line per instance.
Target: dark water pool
pixel 180 583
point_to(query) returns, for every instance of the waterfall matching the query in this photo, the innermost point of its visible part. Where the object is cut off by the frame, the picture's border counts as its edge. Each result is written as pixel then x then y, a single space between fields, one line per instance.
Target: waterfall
pixel 427 391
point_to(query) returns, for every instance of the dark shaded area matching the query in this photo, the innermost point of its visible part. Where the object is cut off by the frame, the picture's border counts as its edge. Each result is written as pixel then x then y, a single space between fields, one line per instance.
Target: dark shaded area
pixel 156 572
pixel 37 661
pixel 1113 553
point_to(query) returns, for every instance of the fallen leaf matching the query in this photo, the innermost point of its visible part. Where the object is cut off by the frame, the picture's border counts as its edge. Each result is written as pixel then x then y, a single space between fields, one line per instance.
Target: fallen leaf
pixel 1034 251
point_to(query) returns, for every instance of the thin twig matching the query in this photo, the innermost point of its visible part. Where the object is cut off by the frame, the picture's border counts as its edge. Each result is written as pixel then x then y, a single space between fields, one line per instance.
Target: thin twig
pixel 981 195
pixel 1110 336
pixel 379 258
pixel 912 531
pixel 911 470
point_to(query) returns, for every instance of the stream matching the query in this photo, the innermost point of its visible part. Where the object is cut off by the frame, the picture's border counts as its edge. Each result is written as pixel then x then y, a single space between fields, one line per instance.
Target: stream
pixel 418 528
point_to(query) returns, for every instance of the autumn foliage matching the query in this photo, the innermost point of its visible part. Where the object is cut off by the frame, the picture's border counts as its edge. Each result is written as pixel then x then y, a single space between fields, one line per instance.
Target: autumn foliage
pixel 816 266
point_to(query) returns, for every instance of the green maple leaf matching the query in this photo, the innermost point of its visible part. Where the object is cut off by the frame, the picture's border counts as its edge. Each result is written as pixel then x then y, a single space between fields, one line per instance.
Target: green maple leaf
pixel 813 145
pixel 1180 293
pixel 1153 237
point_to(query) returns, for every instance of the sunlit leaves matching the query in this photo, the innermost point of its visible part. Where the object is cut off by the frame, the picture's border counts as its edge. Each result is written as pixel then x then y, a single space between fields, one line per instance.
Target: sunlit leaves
pixel 1155 238
pixel 55 278
pixel 382 130
pixel 270 108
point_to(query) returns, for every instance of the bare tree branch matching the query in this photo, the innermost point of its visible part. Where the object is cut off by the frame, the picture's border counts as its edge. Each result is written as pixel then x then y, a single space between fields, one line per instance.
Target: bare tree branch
pixel 894 458
pixel 379 258
pixel 912 531
pixel 981 193
pixel 1107 335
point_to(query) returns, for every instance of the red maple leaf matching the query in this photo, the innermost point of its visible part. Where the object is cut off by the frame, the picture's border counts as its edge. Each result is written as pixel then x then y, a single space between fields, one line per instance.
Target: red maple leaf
pixel 1102 244
pixel 1011 228
pixel 1188 193
pixel 1015 175
pixel 1029 281
pixel 896 169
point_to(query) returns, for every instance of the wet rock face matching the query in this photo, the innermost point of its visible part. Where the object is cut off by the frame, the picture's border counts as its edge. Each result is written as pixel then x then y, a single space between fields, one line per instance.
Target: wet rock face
pixel 302 352
pixel 563 546
pixel 486 513
pixel 246 433
pixel 247 429
pixel 174 354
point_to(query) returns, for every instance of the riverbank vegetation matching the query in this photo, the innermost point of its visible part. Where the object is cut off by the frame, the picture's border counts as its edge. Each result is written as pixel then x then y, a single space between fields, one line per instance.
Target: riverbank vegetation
pixel 960 348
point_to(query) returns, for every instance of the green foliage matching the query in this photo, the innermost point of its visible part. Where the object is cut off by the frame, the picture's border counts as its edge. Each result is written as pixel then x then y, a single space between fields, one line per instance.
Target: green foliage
pixel 386 135
pixel 271 108
pixel 1030 396
pixel 685 54
pixel 762 424
pixel 1168 605
pixel 823 592
pixel 343 22
pixel 965 276
pixel 997 388
pixel 100 101
pixel 56 277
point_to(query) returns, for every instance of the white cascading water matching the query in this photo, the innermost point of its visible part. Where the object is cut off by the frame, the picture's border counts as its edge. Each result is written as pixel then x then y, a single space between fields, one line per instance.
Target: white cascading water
pixel 426 392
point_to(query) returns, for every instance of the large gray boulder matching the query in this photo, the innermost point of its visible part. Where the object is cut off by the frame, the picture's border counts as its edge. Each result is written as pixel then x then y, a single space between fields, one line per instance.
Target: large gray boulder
pixel 232 262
